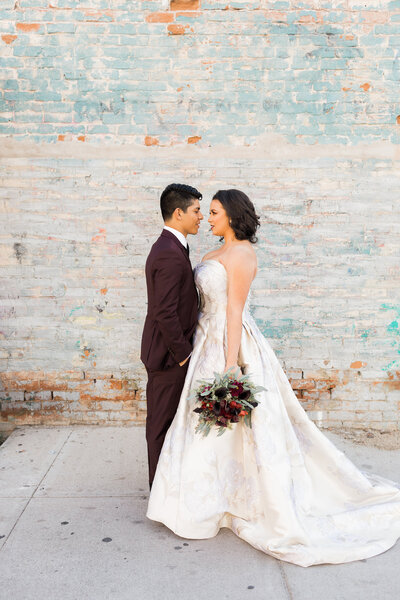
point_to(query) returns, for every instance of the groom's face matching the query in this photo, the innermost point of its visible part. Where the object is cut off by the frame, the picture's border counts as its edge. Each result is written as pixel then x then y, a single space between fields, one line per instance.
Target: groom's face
pixel 191 218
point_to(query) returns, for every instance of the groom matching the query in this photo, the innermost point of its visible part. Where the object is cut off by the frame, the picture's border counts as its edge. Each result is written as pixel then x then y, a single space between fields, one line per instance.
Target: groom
pixel 171 314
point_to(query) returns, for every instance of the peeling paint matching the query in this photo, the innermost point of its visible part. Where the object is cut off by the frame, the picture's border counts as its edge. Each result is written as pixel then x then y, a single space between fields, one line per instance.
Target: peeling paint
pixel 393 331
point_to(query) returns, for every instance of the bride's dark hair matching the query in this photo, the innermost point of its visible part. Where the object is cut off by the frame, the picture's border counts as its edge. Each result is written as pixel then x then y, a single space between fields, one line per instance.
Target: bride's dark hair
pixel 241 213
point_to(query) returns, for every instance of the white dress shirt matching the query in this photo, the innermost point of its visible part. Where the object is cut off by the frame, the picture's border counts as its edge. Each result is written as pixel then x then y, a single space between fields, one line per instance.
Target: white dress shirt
pixel 177 234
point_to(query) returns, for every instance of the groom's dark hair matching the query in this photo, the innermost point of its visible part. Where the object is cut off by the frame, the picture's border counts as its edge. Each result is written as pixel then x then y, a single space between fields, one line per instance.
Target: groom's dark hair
pixel 177 195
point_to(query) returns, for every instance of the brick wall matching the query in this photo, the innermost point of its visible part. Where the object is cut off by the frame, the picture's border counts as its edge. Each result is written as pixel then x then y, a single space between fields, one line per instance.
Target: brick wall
pixel 104 103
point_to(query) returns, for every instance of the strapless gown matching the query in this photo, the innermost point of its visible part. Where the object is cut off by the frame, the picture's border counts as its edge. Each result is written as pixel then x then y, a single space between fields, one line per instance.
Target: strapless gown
pixel 282 486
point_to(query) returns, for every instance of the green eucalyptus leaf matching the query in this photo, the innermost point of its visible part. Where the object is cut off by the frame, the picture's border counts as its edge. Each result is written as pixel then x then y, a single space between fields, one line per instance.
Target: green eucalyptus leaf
pixel 247 420
pixel 260 388
pixel 246 403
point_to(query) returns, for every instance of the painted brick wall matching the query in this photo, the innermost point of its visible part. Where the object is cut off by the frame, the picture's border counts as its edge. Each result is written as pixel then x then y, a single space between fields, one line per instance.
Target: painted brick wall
pixel 127 70
pixel 104 103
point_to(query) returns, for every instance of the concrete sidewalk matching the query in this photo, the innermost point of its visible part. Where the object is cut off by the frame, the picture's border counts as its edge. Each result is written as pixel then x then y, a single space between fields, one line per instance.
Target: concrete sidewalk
pixel 73 526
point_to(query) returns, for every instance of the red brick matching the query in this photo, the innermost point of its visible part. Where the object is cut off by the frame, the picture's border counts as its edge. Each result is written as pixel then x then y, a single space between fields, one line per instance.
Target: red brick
pixel 28 26
pixel 8 39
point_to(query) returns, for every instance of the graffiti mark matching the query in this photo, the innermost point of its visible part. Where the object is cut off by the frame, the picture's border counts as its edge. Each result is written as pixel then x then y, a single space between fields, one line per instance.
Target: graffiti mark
pixel 20 251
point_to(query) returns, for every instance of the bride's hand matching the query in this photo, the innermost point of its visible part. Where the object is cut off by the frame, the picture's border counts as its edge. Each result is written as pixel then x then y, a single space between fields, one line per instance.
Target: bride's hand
pixel 235 372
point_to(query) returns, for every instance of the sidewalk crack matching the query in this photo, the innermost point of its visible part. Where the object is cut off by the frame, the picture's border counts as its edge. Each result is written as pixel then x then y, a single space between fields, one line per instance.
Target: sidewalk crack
pixel 285 582
pixel 30 498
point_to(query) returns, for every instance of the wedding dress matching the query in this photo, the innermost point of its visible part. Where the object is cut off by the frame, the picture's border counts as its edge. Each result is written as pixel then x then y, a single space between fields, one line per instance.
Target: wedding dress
pixel 282 486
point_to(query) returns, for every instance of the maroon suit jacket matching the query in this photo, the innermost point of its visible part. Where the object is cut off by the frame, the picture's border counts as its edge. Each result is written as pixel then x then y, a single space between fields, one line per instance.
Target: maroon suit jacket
pixel 172 304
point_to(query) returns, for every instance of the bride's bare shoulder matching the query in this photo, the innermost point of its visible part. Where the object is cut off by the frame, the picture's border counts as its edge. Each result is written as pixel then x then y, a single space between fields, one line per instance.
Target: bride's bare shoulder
pixel 242 252
pixel 241 255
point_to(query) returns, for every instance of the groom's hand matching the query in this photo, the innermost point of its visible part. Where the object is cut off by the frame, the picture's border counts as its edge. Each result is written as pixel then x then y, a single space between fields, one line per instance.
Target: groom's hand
pixel 184 361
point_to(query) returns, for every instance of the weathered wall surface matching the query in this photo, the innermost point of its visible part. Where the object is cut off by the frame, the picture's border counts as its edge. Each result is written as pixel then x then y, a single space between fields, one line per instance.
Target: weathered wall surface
pixel 104 103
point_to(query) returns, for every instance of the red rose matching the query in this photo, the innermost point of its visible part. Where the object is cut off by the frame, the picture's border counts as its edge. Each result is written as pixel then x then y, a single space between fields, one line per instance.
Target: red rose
pixel 237 390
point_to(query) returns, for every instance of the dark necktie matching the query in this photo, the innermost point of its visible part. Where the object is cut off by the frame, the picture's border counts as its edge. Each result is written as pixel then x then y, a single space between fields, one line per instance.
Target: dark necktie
pixel 187 250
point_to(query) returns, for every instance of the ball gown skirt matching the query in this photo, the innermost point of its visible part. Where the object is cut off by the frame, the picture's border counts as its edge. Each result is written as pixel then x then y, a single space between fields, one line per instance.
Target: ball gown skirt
pixel 282 486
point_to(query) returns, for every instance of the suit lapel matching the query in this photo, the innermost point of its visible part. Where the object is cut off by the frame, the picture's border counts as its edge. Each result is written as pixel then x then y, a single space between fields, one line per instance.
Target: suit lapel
pixel 171 236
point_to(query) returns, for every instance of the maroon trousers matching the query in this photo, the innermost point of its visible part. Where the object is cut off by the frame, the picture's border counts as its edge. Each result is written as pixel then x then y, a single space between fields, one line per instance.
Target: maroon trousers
pixel 163 392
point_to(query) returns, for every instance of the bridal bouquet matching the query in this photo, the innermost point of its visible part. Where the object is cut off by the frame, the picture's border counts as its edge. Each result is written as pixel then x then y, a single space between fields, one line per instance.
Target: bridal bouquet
pixel 225 401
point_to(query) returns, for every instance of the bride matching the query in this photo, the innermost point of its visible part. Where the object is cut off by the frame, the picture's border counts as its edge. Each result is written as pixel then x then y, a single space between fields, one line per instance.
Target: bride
pixel 281 486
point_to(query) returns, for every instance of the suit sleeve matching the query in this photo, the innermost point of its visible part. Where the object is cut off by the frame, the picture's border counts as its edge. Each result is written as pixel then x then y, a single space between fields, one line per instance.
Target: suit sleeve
pixel 167 278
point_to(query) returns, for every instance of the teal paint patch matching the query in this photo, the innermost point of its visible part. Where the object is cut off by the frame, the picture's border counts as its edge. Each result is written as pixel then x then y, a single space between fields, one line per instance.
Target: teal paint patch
pixel 279 328
pixel 386 306
pixel 75 309
pixel 364 245
pixel 393 331
pixel 60 28
pixel 393 327
pixel 355 271
pixel 395 364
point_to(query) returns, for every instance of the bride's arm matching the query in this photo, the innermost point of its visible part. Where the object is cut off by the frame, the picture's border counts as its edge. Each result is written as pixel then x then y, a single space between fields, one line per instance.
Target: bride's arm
pixel 240 275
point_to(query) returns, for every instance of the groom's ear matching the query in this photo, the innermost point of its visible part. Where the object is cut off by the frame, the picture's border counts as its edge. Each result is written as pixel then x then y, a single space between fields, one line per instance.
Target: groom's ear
pixel 177 214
